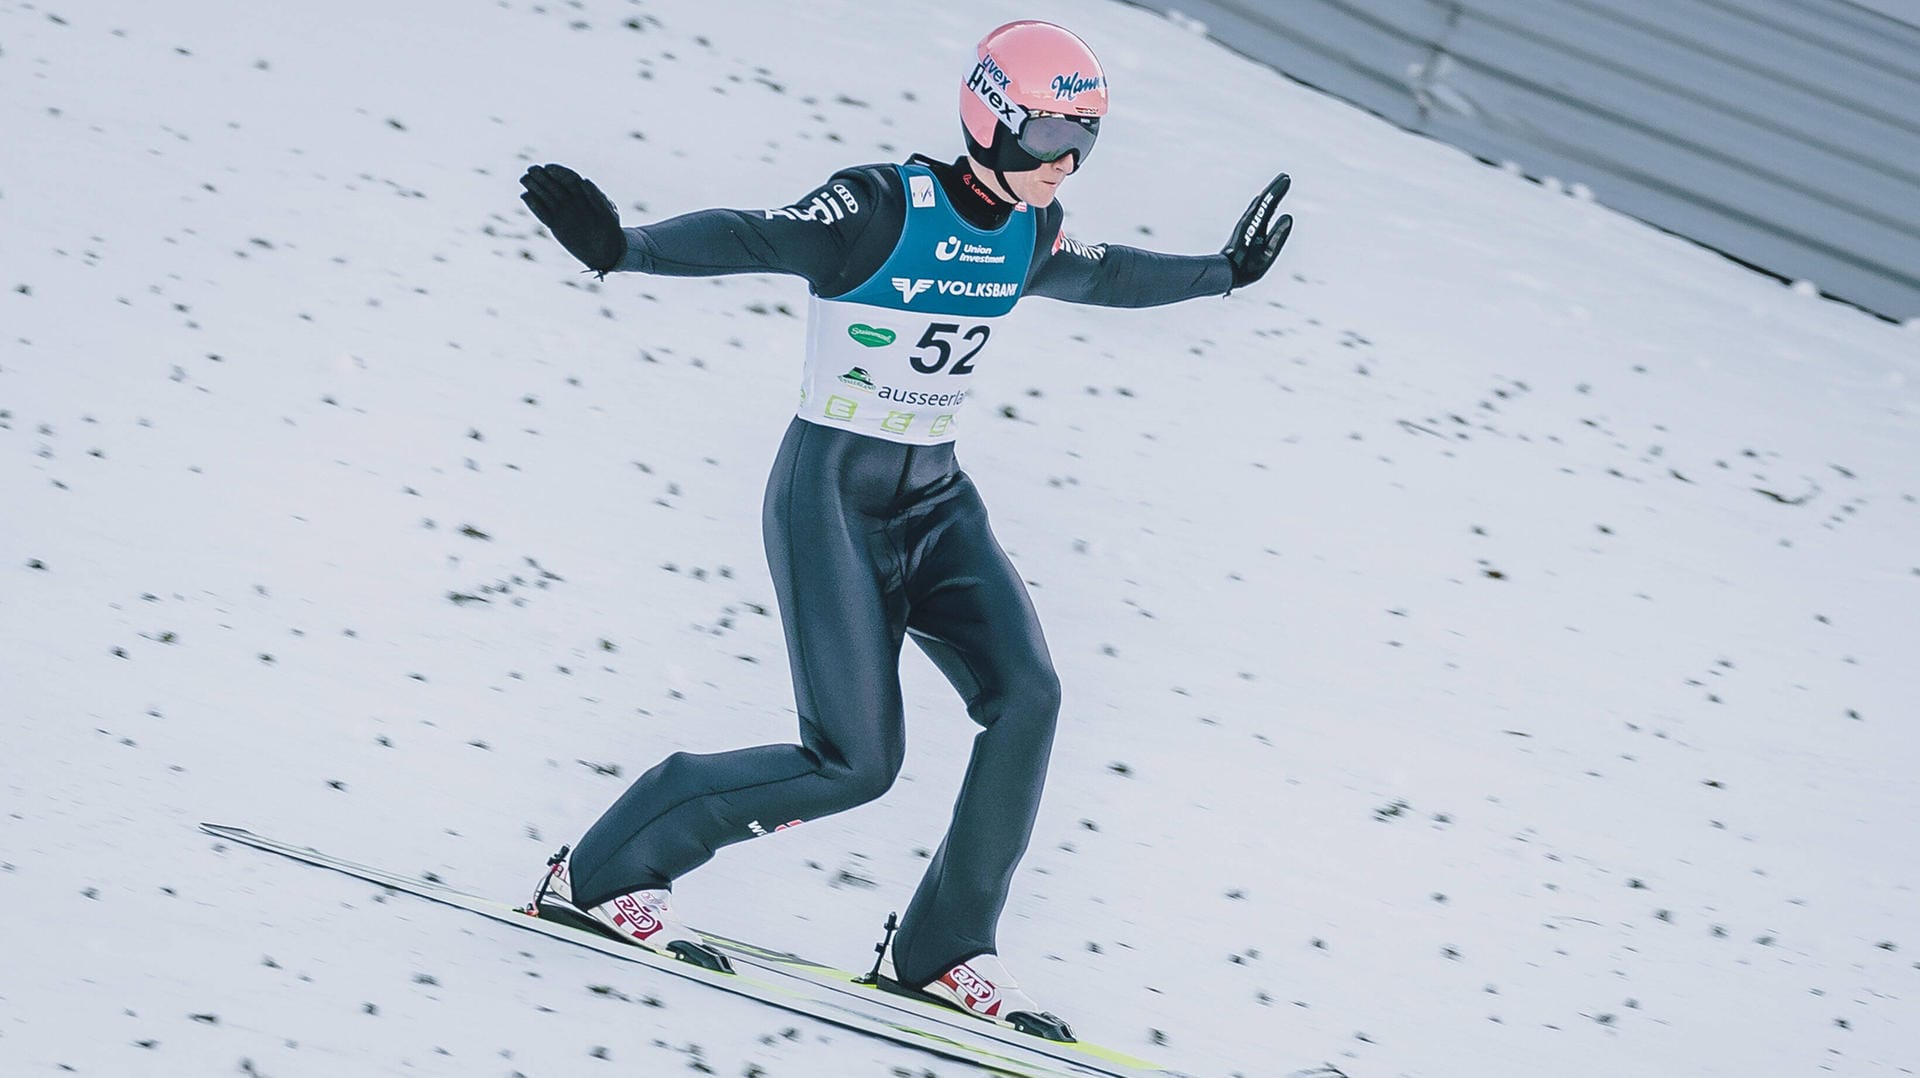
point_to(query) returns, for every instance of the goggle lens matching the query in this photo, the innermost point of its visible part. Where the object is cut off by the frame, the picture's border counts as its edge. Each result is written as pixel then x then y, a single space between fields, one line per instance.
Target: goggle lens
pixel 1049 138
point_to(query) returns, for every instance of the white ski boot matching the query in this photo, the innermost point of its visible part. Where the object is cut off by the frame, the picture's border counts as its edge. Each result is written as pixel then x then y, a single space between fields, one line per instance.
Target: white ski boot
pixel 642 918
pixel 979 986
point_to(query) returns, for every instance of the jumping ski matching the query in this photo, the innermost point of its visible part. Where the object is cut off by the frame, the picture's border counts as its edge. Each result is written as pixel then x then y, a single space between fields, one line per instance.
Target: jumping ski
pixel 778 979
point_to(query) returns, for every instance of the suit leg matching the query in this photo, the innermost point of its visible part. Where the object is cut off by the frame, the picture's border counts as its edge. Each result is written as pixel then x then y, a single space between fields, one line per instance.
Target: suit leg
pixel 845 619
pixel 970 611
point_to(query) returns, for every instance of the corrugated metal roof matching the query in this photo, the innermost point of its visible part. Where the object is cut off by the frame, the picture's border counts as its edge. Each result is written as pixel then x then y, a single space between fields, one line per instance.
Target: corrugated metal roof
pixel 1784 133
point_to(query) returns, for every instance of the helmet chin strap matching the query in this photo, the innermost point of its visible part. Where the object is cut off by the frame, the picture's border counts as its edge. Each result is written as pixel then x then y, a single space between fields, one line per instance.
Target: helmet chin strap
pixel 1000 177
pixel 1005 185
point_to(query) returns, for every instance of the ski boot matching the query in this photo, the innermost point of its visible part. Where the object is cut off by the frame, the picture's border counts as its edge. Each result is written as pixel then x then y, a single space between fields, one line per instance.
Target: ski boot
pixel 979 986
pixel 642 918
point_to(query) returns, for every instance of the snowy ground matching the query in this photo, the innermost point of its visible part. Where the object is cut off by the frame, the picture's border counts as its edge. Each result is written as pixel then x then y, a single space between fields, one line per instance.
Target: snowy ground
pixel 1482 641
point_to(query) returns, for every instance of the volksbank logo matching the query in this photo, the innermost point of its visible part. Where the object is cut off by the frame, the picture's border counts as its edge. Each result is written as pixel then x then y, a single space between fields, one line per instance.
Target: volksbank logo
pixel 910 288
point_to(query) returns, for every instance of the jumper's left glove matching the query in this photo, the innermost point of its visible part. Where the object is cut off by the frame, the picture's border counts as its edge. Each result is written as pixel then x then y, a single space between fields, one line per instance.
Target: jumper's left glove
pixel 578 215
pixel 1261 233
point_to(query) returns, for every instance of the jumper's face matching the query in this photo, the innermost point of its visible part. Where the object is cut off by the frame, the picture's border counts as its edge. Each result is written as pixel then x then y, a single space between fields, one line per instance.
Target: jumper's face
pixel 1039 187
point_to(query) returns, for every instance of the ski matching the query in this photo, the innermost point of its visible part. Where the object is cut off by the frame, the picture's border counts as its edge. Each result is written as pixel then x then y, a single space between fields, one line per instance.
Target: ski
pixel 778 979
pixel 842 983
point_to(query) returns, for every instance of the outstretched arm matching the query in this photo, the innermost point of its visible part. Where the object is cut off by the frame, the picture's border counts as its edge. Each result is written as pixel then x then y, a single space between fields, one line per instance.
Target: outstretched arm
pixel 810 239
pixel 1110 275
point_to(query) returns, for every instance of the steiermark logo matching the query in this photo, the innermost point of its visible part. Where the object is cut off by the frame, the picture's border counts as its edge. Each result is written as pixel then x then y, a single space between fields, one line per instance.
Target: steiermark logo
pixel 859 379
pixel 871 336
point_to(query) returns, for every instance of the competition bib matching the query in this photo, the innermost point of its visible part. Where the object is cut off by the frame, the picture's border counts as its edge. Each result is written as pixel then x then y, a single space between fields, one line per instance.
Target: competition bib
pixel 894 358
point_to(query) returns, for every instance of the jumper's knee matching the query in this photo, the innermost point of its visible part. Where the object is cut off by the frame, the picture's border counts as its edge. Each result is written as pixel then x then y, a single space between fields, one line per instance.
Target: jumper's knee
pixel 863 775
pixel 1030 701
pixel 1043 693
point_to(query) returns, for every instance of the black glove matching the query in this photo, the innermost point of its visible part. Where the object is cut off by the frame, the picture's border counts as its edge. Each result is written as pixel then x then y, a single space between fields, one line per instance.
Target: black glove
pixel 579 216
pixel 1261 233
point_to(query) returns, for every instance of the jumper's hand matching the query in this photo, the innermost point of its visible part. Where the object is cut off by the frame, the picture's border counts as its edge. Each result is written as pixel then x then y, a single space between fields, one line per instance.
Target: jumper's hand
pixel 579 216
pixel 1261 233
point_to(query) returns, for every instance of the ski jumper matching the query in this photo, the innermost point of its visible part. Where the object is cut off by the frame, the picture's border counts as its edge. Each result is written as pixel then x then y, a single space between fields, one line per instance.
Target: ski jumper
pixel 874 533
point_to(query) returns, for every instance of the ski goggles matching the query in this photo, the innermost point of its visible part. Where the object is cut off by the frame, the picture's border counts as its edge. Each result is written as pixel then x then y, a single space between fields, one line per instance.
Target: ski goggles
pixel 1048 136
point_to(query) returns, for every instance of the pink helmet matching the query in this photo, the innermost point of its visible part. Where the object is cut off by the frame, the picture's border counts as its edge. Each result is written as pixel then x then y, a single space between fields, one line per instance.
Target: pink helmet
pixel 1036 93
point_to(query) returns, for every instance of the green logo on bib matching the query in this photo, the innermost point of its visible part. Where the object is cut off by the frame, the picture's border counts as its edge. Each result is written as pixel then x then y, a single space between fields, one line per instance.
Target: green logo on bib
pixel 871 336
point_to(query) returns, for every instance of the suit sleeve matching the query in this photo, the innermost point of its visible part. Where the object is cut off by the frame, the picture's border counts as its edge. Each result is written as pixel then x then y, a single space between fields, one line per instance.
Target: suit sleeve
pixel 815 237
pixel 1109 275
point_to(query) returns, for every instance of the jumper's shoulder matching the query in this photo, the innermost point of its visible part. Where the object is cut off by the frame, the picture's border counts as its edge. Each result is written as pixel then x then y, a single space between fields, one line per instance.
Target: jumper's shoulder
pixel 865 207
pixel 846 201
pixel 874 180
pixel 1049 228
pixel 849 199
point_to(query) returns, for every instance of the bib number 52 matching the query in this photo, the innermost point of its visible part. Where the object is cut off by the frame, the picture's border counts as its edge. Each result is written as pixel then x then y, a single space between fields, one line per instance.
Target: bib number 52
pixel 937 339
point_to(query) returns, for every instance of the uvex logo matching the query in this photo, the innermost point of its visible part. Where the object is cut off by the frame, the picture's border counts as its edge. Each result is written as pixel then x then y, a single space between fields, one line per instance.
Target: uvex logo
pixel 639 920
pixel 986 82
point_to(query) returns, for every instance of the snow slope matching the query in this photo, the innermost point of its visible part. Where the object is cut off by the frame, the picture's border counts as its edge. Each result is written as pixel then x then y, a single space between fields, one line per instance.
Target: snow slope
pixel 1482 640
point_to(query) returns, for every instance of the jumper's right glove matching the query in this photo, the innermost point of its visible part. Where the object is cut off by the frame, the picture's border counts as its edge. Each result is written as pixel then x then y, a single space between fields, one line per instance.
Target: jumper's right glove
pixel 1261 233
pixel 579 216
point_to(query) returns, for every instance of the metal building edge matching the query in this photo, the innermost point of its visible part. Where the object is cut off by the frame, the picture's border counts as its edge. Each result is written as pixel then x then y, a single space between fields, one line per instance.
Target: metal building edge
pixel 1777 133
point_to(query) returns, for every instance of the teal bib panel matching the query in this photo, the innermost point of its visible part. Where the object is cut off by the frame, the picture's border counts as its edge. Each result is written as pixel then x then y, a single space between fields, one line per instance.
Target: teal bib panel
pixel 894 357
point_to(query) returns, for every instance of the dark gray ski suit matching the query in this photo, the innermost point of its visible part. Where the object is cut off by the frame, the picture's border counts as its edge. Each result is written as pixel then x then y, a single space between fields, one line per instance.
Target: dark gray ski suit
pixel 871 540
